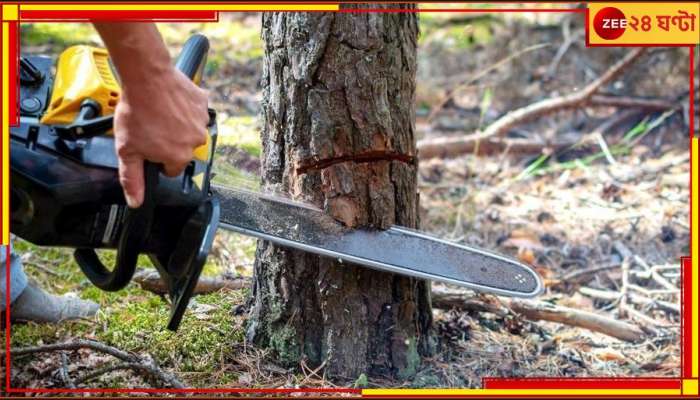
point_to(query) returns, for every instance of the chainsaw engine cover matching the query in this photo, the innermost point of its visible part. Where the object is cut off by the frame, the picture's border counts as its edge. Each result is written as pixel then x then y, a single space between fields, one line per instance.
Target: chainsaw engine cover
pixel 66 193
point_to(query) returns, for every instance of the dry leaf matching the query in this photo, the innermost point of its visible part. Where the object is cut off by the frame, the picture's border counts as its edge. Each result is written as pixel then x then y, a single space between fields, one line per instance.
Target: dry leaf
pixel 526 255
pixel 609 355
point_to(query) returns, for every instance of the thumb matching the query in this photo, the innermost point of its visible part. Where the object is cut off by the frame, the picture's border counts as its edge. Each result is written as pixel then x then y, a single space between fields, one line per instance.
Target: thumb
pixel 131 179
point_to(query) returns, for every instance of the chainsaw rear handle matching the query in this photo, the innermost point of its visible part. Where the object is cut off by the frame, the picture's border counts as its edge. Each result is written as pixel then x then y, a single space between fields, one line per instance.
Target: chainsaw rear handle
pixel 193 57
pixel 135 232
pixel 138 221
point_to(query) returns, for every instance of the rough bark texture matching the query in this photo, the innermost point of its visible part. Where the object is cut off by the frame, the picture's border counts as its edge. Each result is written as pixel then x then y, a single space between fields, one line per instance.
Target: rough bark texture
pixel 339 132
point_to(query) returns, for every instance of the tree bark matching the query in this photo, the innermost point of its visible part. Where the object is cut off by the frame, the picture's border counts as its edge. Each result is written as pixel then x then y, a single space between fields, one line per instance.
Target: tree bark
pixel 338 131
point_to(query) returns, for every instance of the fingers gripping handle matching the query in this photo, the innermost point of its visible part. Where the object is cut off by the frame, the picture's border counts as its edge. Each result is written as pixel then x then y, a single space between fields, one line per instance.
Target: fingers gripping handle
pixel 138 221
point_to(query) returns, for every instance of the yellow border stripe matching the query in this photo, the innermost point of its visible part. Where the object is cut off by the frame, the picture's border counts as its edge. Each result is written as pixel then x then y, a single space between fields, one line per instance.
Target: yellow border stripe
pixel 694 257
pixel 515 392
pixel 185 7
pixel 5 133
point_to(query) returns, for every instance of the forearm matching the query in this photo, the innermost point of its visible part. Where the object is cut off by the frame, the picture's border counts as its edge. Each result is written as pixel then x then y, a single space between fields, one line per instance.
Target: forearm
pixel 136 49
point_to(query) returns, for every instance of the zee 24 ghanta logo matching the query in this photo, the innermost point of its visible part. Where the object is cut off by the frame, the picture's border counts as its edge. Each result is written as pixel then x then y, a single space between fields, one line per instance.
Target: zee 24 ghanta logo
pixel 610 22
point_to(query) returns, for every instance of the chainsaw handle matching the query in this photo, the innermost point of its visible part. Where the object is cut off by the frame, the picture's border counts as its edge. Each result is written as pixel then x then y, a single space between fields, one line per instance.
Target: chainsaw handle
pixel 193 57
pixel 135 232
pixel 138 221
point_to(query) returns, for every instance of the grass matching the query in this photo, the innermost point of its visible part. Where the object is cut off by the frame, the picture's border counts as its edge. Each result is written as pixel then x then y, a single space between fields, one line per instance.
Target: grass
pixel 231 41
pixel 241 131
pixel 455 38
pixel 63 34
pixel 542 166
pixel 134 320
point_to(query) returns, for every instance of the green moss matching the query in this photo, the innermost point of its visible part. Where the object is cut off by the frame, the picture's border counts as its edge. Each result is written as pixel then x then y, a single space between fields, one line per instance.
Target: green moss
pixel 199 344
pixel 426 379
pixel 361 381
pixel 284 343
pixel 412 361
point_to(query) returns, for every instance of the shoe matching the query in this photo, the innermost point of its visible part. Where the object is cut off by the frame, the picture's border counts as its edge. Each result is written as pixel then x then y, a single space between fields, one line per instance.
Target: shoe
pixel 36 305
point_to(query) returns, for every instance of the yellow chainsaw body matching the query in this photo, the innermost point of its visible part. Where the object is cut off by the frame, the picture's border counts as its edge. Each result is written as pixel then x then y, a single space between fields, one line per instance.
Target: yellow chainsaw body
pixel 84 72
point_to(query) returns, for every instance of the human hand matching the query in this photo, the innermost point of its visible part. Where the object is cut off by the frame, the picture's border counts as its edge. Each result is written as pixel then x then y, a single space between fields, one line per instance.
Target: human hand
pixel 161 115
pixel 161 120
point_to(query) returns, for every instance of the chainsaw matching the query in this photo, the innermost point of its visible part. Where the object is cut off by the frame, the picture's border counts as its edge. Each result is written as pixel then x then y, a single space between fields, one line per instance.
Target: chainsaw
pixel 65 192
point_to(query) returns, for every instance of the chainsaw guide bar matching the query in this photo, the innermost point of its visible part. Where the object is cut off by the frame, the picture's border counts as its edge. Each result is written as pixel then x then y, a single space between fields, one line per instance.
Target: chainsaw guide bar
pixel 397 249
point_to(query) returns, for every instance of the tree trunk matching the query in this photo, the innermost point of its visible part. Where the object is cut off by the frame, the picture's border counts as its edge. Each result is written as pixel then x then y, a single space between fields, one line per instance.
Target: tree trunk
pixel 338 132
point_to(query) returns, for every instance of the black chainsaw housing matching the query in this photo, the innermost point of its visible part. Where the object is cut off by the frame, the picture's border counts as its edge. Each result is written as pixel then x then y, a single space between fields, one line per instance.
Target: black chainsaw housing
pixel 65 192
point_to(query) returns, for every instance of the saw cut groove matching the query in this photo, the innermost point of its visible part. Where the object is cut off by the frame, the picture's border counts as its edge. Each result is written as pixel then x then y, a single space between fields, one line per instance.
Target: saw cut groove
pixel 367 157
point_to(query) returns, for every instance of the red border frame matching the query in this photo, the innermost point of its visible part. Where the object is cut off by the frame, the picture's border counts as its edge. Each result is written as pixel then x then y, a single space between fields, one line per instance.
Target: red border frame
pixel 490 383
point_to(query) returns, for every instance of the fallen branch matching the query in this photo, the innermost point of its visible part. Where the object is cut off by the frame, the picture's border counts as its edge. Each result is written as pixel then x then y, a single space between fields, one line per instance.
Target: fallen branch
pixel 624 289
pixel 536 311
pixel 635 298
pixel 632 102
pixel 548 106
pixel 461 301
pixel 579 275
pixel 583 319
pixel 136 361
pixel 451 146
pixel 150 281
pixel 111 368
pixel 65 377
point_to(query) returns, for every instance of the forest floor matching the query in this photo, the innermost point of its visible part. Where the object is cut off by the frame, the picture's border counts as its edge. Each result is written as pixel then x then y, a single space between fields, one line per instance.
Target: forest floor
pixel 604 219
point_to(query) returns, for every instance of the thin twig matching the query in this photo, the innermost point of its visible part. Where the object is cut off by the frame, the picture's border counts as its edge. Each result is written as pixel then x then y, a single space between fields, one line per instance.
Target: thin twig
pixel 654 292
pixel 569 39
pixel 312 372
pixel 604 147
pixel 41 268
pixel 451 146
pixel 64 372
pixel 624 287
pixel 144 365
pixel 635 298
pixel 646 323
pixel 115 367
pixel 602 100
pixel 577 275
